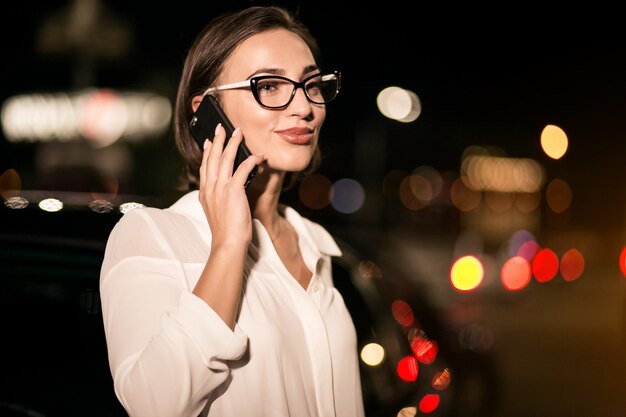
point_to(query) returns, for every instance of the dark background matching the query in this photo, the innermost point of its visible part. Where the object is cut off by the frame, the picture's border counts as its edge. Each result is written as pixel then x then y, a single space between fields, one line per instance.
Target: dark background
pixel 483 79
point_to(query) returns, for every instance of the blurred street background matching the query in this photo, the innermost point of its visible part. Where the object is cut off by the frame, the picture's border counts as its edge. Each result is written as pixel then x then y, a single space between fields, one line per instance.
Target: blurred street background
pixel 491 173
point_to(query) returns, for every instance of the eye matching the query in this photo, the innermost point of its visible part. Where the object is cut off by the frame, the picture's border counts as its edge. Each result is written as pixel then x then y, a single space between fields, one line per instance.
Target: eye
pixel 270 86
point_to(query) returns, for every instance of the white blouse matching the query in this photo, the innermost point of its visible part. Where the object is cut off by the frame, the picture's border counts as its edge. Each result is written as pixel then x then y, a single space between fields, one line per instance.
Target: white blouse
pixel 293 352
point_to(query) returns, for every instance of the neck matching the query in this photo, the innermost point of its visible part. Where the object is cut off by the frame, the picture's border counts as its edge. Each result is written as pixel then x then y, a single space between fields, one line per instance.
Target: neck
pixel 263 195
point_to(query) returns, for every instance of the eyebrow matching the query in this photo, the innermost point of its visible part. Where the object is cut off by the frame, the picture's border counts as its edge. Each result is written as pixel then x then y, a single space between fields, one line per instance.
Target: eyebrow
pixel 280 71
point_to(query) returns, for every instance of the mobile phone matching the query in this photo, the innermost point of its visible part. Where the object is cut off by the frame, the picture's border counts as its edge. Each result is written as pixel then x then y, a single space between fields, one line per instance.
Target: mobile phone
pixel 202 126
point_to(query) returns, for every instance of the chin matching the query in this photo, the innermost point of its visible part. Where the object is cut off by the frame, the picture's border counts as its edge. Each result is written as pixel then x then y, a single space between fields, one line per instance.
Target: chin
pixel 291 164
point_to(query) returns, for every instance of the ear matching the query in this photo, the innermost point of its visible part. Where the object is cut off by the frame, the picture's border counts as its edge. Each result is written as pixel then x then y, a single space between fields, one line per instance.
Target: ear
pixel 195 102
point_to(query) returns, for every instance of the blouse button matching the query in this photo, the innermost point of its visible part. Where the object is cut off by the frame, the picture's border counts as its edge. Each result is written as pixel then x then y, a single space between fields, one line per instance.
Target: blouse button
pixel 315 287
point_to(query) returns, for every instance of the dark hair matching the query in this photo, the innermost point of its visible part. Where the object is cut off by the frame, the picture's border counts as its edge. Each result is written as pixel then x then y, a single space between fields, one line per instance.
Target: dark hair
pixel 204 64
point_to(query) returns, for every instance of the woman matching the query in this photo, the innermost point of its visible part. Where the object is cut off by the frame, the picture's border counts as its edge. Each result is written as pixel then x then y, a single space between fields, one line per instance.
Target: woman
pixel 223 304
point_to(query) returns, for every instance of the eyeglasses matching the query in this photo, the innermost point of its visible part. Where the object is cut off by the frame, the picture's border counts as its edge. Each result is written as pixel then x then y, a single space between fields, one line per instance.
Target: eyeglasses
pixel 275 92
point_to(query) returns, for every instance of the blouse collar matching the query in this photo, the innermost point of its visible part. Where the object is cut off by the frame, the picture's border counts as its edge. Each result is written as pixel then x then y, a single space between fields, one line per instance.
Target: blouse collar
pixel 189 206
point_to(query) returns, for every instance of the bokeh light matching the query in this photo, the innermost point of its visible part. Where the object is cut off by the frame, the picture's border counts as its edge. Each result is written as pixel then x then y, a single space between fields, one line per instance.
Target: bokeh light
pixel 10 184
pixel 429 403
pixel 441 380
pixel 407 368
pixel 545 265
pixel 51 204
pixel 369 270
pixel 572 265
pixel 402 313
pixel 558 195
pixel 347 195
pixel 554 141
pixel 464 198
pixel 424 349
pixel 622 261
pixel 466 273
pixel 399 104
pixel 516 273
pixel 372 354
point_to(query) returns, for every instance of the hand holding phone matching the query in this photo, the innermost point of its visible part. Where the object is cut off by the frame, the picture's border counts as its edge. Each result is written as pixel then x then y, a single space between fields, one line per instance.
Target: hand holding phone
pixel 203 124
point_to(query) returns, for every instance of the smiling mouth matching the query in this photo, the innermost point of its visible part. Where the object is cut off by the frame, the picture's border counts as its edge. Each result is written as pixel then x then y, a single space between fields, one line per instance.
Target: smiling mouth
pixel 296 136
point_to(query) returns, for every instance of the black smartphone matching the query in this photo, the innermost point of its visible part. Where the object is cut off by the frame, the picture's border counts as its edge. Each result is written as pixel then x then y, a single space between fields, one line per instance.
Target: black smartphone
pixel 203 124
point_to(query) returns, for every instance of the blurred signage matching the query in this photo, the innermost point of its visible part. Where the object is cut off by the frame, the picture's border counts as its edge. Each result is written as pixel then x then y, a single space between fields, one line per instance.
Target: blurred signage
pixel 101 116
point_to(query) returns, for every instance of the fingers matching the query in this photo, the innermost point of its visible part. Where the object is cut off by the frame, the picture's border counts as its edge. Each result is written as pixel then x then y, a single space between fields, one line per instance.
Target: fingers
pixel 211 156
pixel 218 160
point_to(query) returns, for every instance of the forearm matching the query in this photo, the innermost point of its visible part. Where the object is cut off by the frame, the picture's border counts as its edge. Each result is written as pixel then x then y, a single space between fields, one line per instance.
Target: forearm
pixel 220 282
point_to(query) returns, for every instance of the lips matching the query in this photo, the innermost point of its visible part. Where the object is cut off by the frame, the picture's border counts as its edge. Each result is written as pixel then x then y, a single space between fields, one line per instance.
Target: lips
pixel 296 135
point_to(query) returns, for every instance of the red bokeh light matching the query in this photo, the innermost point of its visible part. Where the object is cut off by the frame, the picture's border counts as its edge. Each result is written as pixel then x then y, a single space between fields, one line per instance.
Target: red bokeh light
pixel 572 265
pixel 429 403
pixel 622 261
pixel 425 350
pixel 402 312
pixel 545 265
pixel 408 369
pixel 516 273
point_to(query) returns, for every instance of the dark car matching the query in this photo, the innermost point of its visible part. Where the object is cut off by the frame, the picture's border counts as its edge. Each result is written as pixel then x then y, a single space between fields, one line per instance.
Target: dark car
pixel 55 362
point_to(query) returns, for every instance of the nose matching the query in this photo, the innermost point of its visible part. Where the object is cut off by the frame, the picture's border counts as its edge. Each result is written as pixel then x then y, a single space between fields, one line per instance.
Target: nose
pixel 300 103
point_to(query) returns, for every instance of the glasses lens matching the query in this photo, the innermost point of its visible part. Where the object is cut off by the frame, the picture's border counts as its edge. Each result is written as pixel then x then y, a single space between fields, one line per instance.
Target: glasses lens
pixel 322 88
pixel 274 92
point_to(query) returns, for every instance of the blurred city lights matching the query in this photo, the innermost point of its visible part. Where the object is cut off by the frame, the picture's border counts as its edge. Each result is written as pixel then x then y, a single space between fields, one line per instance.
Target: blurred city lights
pixel 372 354
pixel 527 202
pixel 545 265
pixel 429 403
pixel 369 270
pixel 517 239
pixel 441 380
pixel 466 273
pixel 572 265
pixel 399 104
pixel 16 203
pixel 558 195
pixel 424 349
pixel 407 196
pixel 407 368
pixel 464 198
pixel 502 174
pixel 101 116
pixel 51 205
pixel 347 195
pixel 516 273
pixel 402 313
pixel 126 207
pixel 622 261
pixel 528 250
pixel 407 412
pixel 554 141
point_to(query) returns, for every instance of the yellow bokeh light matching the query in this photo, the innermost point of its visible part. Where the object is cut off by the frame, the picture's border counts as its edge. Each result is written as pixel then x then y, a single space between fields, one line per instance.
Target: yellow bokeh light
pixel 373 354
pixel 466 273
pixel 554 141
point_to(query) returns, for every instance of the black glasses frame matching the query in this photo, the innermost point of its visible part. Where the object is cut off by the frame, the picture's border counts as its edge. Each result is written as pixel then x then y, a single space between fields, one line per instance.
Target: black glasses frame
pixel 252 84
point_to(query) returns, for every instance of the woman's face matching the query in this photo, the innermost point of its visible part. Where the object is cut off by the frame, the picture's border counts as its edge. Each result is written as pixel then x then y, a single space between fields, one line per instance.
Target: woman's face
pixel 287 136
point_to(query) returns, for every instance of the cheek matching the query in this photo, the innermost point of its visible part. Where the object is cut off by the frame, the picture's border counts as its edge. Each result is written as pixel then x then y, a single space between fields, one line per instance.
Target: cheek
pixel 256 125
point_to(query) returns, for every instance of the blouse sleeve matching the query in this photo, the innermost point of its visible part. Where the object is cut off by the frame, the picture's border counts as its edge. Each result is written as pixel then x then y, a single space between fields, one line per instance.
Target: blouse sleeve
pixel 168 350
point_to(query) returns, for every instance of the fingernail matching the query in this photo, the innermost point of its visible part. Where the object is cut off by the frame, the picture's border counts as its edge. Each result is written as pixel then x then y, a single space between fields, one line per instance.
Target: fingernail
pixel 236 131
pixel 205 144
pixel 217 128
